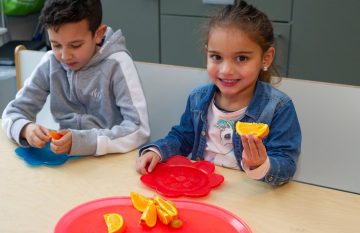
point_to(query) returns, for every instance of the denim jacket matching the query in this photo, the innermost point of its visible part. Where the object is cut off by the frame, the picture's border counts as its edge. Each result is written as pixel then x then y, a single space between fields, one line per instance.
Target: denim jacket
pixel 268 105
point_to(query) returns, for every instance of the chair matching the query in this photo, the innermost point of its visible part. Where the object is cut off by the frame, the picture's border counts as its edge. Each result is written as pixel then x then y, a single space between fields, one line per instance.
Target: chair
pixel 25 62
pixel 166 88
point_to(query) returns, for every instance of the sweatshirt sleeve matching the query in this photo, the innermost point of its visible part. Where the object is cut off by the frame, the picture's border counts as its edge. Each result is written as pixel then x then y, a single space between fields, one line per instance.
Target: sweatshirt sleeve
pixel 132 131
pixel 27 103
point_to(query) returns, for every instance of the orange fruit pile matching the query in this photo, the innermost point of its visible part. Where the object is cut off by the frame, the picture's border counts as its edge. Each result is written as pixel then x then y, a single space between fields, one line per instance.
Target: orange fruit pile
pixel 259 130
pixel 155 208
pixel 114 222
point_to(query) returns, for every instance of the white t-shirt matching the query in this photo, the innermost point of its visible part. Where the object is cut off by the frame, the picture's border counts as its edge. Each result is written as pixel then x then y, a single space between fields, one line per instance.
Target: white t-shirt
pixel 219 147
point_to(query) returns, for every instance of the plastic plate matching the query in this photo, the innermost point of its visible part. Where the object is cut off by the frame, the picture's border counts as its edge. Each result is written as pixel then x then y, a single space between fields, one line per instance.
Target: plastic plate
pixel 180 176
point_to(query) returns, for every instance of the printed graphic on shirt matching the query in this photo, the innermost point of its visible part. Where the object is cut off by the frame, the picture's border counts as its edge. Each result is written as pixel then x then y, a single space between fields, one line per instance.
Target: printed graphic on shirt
pixel 96 95
pixel 220 149
pixel 225 134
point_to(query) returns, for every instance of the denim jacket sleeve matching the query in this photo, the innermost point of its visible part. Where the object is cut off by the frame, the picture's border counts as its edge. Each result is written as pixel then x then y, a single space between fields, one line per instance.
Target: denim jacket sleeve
pixel 283 144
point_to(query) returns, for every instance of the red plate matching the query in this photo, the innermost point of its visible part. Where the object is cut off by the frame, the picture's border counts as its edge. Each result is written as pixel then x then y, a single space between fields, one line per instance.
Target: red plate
pixel 197 217
pixel 180 176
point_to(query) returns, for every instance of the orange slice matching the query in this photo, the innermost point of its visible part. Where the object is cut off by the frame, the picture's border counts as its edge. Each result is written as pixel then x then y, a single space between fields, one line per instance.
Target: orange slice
pixel 114 222
pixel 259 130
pixel 163 216
pixel 167 206
pixel 54 135
pixel 139 201
pixel 149 215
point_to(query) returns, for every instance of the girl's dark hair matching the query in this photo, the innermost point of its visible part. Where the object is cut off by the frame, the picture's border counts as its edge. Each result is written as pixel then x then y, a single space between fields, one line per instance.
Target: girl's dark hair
pixel 251 21
pixel 58 12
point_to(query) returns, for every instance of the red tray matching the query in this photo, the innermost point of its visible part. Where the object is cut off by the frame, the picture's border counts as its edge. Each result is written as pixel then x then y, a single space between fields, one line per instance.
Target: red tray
pixel 197 217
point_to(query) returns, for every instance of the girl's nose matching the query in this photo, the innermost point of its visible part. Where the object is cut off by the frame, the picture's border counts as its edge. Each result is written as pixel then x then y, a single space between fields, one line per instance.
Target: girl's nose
pixel 227 68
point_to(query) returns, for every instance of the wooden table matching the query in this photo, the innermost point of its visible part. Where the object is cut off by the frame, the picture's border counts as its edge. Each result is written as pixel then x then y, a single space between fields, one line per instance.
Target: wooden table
pixel 33 199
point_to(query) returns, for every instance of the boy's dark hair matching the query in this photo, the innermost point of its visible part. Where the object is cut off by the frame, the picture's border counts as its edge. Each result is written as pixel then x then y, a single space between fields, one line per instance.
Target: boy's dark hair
pixel 58 12
pixel 250 20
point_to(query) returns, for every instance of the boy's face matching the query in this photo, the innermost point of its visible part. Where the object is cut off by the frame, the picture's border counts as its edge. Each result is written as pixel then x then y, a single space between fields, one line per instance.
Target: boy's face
pixel 73 44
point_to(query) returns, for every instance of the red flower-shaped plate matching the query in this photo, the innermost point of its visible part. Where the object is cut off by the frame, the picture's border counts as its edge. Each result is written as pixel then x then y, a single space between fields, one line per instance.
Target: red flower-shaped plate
pixel 180 176
pixel 197 217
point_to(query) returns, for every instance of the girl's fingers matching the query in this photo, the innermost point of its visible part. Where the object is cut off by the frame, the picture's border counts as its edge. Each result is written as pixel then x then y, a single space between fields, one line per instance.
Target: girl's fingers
pixel 246 148
pixel 141 165
pixel 155 159
pixel 253 148
pixel 261 149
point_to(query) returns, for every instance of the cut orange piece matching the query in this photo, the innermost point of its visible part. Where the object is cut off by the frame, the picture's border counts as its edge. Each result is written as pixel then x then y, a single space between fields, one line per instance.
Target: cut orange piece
pixel 163 216
pixel 139 201
pixel 259 130
pixel 54 135
pixel 149 215
pixel 167 206
pixel 114 222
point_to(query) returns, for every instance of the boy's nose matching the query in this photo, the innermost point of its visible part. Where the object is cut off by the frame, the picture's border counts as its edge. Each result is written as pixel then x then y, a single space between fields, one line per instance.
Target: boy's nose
pixel 65 54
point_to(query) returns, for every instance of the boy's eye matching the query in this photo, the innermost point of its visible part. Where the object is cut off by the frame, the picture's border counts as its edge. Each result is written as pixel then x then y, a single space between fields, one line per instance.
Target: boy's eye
pixel 57 46
pixel 75 46
pixel 215 57
pixel 241 58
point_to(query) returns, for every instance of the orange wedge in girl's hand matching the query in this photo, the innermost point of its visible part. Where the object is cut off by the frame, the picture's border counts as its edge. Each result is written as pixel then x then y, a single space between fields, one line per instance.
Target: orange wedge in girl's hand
pixel 54 135
pixel 259 130
pixel 114 222
pixel 149 215
pixel 139 201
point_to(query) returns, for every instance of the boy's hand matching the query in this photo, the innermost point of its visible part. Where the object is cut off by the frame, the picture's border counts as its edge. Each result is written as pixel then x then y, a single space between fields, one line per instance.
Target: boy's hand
pixel 149 158
pixel 35 135
pixel 254 153
pixel 62 145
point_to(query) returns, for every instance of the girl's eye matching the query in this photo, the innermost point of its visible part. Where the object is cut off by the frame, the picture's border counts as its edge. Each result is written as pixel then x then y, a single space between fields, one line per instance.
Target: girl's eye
pixel 215 57
pixel 241 58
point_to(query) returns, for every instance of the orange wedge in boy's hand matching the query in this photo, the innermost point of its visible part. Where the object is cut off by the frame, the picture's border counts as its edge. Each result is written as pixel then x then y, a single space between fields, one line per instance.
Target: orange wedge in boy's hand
pixel 114 222
pixel 54 135
pixel 259 130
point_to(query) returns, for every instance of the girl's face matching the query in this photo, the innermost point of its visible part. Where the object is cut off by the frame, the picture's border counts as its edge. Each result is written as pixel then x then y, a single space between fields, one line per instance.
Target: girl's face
pixel 234 62
pixel 73 44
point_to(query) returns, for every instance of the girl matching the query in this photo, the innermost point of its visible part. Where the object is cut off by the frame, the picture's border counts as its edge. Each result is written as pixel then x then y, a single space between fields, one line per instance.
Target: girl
pixel 240 53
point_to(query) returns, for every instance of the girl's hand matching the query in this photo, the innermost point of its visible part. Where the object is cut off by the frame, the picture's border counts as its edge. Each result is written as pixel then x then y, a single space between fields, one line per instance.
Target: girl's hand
pixel 254 153
pixel 149 158
pixel 35 135
pixel 62 145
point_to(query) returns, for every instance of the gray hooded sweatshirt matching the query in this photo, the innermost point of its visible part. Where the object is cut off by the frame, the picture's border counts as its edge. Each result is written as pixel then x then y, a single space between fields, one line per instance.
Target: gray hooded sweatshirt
pixel 103 103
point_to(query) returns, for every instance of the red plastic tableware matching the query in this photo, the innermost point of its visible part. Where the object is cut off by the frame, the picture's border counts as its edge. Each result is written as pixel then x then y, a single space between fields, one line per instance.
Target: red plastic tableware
pixel 179 176
pixel 196 216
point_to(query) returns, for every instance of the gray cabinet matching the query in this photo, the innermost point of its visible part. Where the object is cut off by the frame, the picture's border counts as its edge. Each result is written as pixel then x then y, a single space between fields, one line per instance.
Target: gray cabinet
pixel 182 24
pixel 315 40
pixel 139 21
pixel 325 41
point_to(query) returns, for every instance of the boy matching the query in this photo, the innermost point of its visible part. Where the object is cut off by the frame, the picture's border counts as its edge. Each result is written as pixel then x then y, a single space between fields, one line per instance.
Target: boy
pixel 96 95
